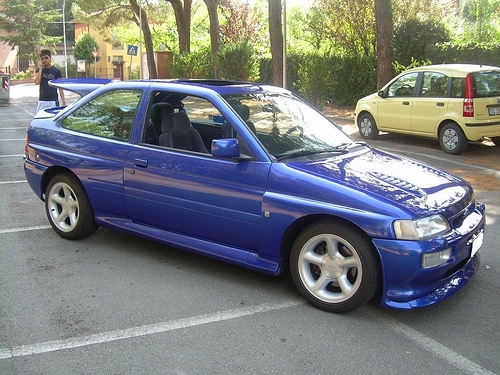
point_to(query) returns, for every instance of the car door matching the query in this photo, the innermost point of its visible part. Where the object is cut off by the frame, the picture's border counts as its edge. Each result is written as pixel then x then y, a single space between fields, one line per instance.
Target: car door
pixel 195 194
pixel 431 104
pixel 394 110
pixel 96 139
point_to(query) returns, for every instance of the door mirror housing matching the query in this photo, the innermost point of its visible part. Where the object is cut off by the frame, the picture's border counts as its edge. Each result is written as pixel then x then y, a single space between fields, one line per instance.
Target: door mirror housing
pixel 225 148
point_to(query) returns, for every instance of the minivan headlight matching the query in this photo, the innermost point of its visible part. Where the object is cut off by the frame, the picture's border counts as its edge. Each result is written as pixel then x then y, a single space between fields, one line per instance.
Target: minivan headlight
pixel 422 228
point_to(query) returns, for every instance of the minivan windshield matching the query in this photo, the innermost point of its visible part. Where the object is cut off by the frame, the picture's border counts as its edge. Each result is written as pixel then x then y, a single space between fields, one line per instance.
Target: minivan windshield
pixel 287 126
pixel 486 84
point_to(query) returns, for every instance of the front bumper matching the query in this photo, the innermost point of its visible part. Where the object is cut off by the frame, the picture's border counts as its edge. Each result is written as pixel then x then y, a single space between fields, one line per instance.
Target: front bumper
pixel 406 285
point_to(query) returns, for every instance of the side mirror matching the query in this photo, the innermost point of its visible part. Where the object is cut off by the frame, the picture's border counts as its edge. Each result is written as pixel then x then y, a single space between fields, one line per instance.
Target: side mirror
pixel 225 148
pixel 381 93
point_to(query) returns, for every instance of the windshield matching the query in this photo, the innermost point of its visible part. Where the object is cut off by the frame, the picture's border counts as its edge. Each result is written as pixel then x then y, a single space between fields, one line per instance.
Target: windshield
pixel 487 84
pixel 287 126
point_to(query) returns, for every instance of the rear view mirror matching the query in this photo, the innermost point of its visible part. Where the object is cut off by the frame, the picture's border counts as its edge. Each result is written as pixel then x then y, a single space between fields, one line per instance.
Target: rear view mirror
pixel 381 93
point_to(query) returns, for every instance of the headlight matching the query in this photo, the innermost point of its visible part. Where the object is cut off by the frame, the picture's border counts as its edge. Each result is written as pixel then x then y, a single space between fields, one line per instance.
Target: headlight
pixel 421 229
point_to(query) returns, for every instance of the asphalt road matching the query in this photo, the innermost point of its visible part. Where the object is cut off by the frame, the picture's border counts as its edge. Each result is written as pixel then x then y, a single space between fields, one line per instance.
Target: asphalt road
pixel 116 304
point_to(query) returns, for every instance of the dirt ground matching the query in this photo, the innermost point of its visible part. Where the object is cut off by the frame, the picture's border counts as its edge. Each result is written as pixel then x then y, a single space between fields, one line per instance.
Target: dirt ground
pixel 338 111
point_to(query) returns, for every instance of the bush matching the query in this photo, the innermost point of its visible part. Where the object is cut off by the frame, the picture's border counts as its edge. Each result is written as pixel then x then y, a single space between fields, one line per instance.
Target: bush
pixel 465 53
pixel 193 65
pixel 237 62
pixel 413 38
pixel 323 79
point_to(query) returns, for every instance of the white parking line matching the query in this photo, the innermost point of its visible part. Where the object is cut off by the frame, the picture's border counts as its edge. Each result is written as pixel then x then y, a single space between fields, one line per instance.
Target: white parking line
pixel 12 139
pixel 12 182
pixel 24 229
pixel 25 110
pixel 432 346
pixel 150 329
pixel 12 156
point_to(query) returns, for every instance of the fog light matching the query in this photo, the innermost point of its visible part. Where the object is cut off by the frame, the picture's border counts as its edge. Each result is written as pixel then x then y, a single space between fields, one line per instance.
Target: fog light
pixel 431 260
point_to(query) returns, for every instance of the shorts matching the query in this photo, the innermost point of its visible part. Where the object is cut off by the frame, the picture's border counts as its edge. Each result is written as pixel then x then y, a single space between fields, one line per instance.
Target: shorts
pixel 46 104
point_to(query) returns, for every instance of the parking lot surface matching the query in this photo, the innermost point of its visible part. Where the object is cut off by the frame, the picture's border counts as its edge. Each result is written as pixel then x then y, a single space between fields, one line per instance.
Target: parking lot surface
pixel 117 304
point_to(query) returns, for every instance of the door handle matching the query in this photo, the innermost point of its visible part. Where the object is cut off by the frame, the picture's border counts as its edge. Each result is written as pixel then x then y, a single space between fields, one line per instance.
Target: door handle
pixel 440 104
pixel 141 163
pixel 406 103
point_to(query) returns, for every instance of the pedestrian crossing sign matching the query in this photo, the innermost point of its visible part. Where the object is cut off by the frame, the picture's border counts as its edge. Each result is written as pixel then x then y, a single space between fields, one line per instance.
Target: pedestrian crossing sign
pixel 132 50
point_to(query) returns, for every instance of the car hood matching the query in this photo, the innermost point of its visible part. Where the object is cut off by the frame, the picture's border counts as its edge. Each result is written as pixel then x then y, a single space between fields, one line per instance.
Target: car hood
pixel 413 186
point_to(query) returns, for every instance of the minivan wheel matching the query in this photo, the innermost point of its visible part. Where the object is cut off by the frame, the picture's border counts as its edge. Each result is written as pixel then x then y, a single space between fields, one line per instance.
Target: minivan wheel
pixel 68 208
pixel 367 126
pixel 452 139
pixel 334 266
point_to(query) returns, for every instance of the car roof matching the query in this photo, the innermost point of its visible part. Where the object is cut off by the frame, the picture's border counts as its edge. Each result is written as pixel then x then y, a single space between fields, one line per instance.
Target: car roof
pixel 460 70
pixel 84 86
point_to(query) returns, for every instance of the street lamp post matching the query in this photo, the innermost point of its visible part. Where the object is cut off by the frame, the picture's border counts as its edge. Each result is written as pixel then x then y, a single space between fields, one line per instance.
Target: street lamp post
pixel 64 40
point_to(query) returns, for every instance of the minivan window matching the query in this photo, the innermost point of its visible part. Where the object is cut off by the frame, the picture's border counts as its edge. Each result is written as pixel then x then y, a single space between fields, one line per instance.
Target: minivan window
pixel 486 84
pixel 457 88
pixel 434 84
pixel 403 86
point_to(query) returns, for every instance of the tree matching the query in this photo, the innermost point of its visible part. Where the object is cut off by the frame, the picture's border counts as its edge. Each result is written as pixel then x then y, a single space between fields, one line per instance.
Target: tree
pixel 141 19
pixel 413 37
pixel 104 15
pixel 383 20
pixel 213 16
pixel 482 20
pixel 276 38
pixel 83 49
pixel 30 19
pixel 182 11
pixel 240 22
pixel 348 24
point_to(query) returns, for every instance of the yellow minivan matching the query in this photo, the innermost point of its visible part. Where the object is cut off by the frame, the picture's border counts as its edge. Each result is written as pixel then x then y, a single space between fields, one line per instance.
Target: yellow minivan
pixel 455 103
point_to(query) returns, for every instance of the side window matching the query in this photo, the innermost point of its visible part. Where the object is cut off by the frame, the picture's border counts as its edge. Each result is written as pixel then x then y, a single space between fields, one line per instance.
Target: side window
pixel 403 86
pixel 183 122
pixel 434 85
pixel 457 88
pixel 110 115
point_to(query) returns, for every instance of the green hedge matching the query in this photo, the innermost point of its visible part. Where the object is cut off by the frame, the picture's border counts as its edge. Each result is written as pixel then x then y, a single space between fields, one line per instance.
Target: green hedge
pixel 322 79
pixel 470 53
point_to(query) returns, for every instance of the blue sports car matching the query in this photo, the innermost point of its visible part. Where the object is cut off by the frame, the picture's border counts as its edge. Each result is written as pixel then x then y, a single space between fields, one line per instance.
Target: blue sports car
pixel 252 175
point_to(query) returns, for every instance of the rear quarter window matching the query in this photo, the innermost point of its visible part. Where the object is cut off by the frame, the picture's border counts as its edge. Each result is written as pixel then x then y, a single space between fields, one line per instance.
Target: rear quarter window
pixel 110 115
pixel 457 88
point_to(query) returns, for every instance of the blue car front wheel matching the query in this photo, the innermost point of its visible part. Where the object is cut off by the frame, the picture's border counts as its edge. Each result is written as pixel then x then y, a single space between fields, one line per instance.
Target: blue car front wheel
pixel 334 266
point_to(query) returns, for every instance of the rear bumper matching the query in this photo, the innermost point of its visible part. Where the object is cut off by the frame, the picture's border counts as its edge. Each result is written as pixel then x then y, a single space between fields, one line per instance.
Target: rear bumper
pixel 476 130
pixel 34 173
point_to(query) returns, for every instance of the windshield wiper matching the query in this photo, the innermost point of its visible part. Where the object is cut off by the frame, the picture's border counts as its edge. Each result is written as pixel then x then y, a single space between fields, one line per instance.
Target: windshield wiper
pixel 299 153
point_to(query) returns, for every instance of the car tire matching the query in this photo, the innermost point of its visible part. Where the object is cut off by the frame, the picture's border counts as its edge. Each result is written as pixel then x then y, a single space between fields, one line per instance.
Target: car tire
pixel 496 140
pixel 68 208
pixel 452 139
pixel 334 266
pixel 367 126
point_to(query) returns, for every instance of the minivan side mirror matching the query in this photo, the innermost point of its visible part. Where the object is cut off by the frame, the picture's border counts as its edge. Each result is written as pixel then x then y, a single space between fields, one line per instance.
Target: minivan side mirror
pixel 382 94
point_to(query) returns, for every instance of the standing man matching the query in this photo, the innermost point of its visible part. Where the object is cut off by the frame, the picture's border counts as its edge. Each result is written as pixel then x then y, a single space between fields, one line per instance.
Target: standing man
pixel 45 72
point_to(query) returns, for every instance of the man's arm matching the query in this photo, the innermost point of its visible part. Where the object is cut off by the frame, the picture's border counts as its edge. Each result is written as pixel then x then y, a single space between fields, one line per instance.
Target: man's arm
pixel 38 77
